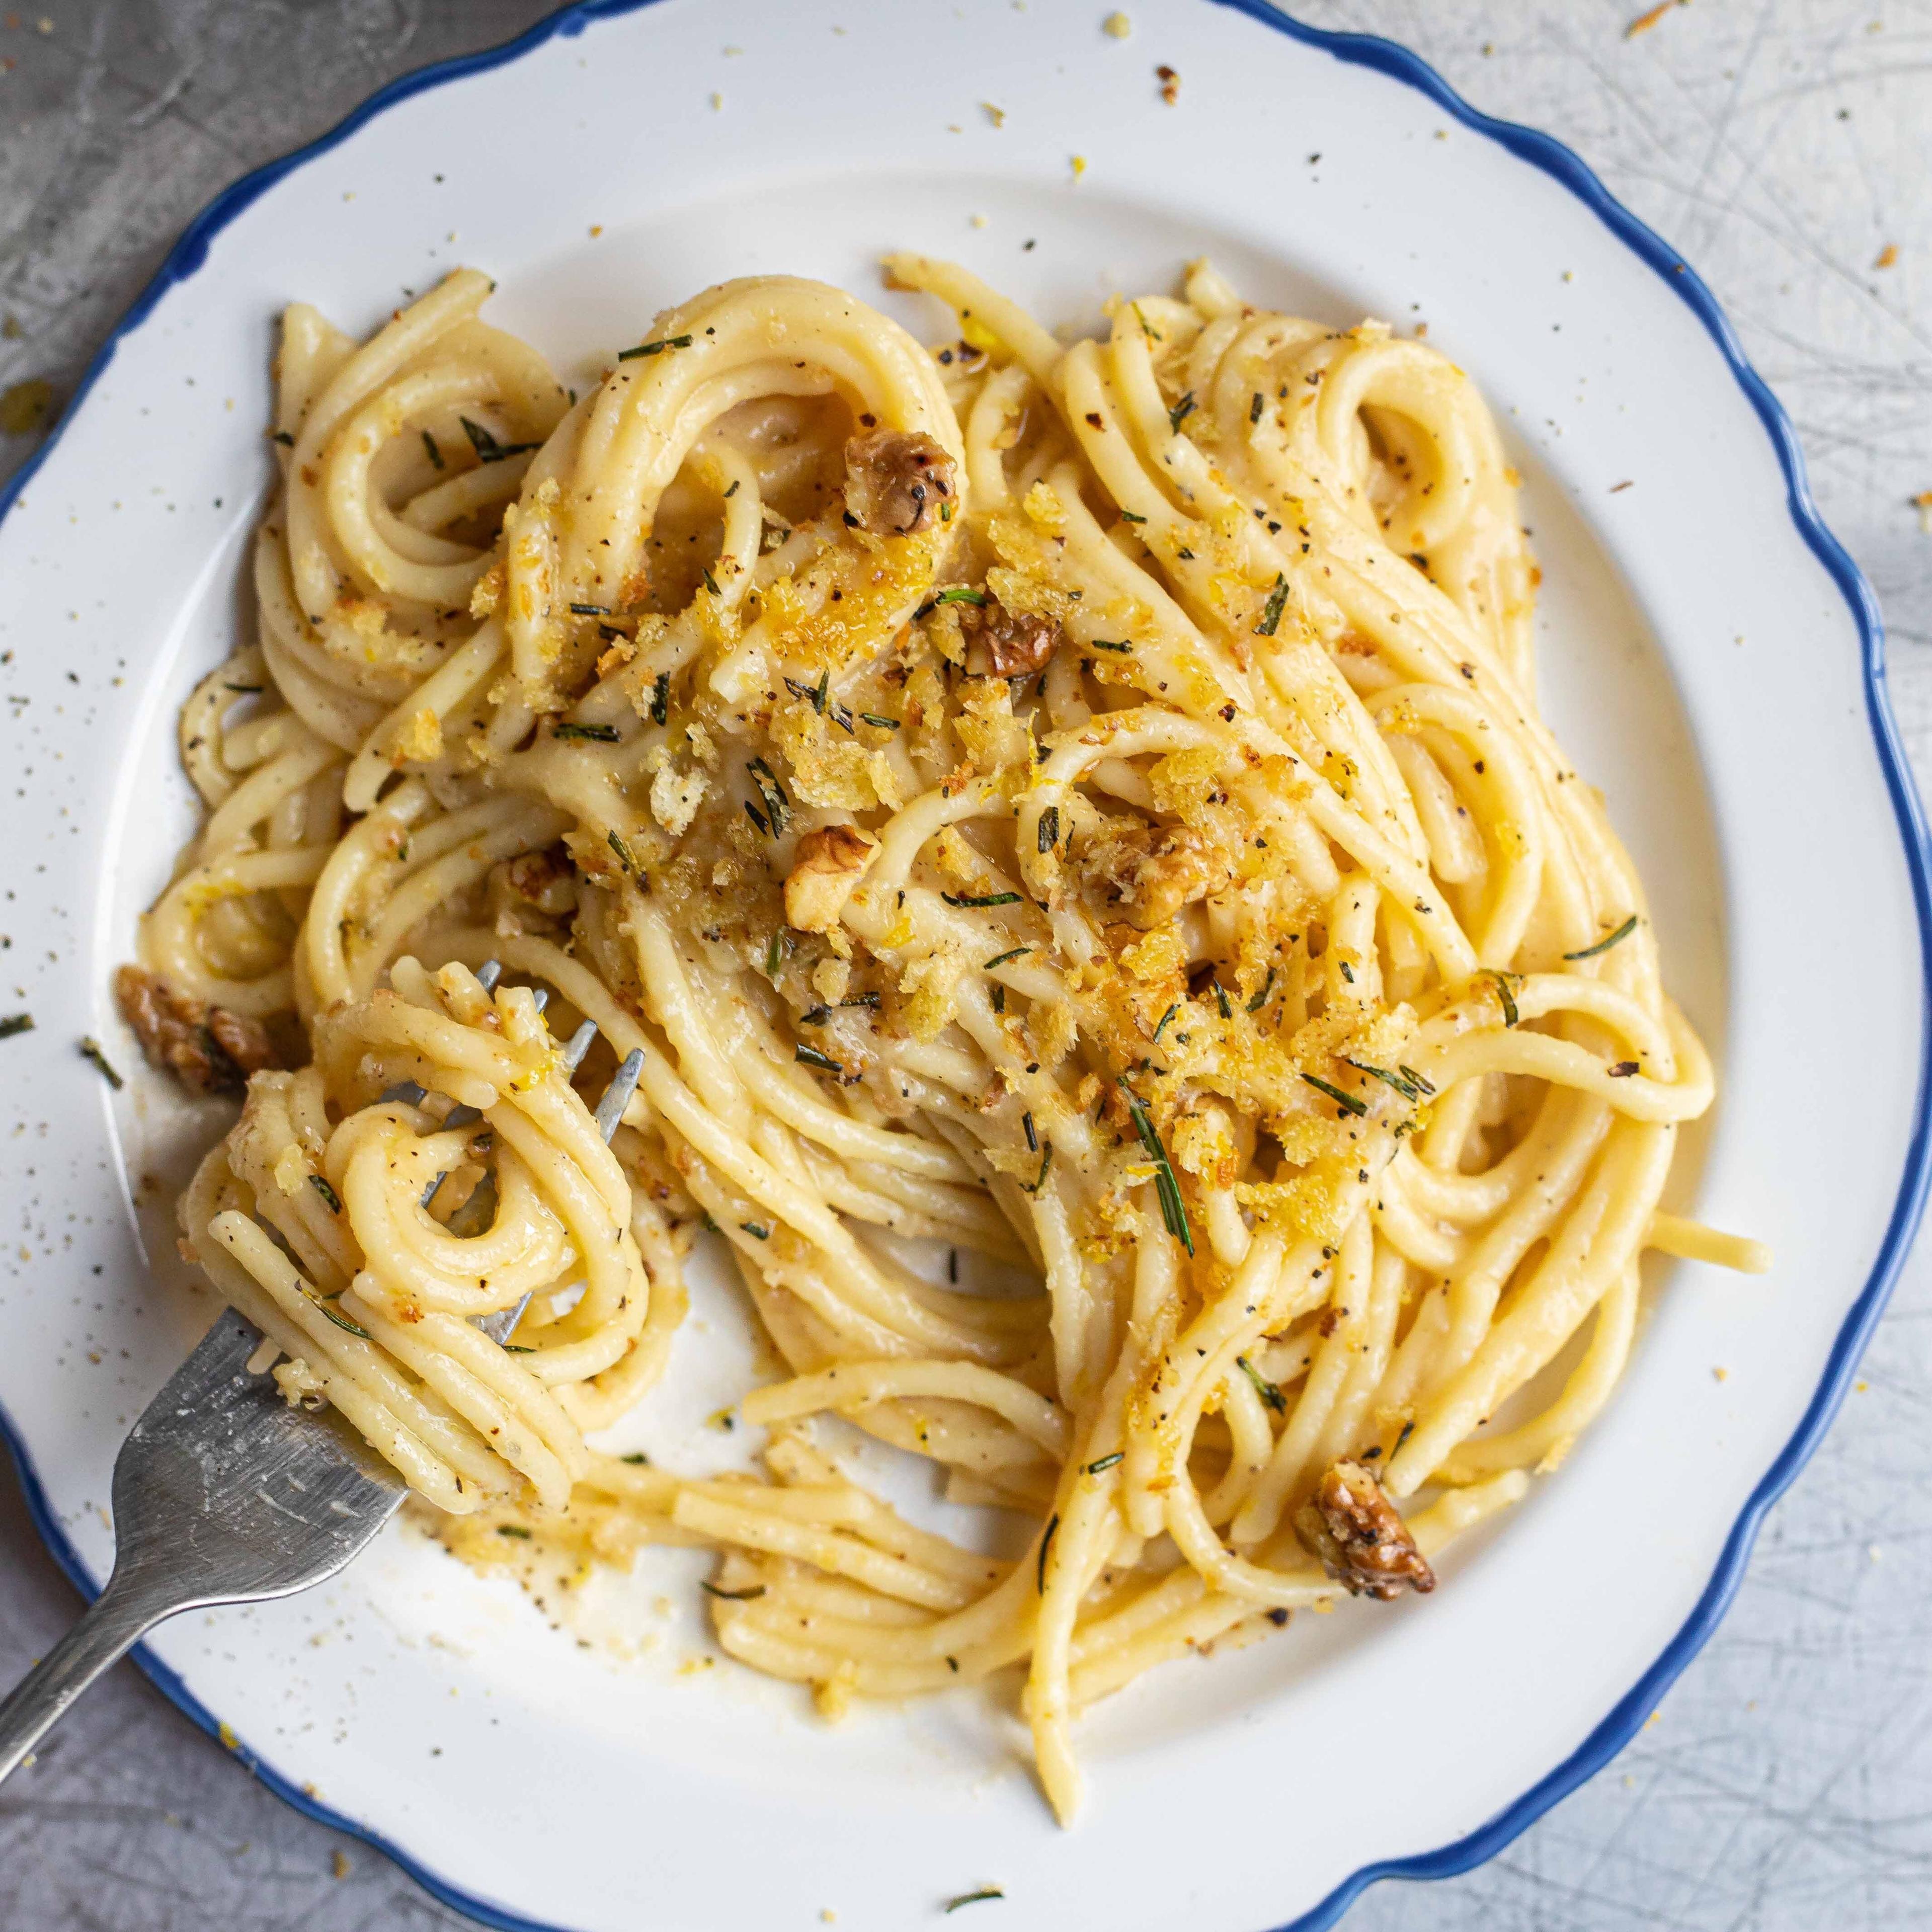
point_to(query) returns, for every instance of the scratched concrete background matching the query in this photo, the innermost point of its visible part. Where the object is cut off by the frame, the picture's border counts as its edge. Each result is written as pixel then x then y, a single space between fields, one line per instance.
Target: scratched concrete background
pixel 1786 147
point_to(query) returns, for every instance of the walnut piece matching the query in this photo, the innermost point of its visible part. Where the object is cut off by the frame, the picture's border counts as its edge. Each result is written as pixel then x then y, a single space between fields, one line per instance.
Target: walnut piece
pixel 1362 1542
pixel 1000 642
pixel 896 480
pixel 1150 872
pixel 827 864
pixel 209 1049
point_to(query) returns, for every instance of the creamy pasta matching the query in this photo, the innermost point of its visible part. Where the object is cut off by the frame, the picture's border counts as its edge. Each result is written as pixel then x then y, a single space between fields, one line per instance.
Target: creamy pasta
pixel 1081 808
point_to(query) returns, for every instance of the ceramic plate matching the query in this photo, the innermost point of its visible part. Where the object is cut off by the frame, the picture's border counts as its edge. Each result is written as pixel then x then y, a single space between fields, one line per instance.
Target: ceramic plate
pixel 1708 653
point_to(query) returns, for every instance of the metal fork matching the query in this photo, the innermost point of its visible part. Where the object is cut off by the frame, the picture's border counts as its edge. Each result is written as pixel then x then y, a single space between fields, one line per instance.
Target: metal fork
pixel 224 1494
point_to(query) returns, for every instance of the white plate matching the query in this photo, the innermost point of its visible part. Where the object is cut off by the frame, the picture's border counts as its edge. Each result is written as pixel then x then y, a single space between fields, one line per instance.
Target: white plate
pixel 1709 655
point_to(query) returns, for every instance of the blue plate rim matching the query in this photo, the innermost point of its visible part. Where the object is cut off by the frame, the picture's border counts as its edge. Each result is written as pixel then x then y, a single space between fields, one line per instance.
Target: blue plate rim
pixel 1563 165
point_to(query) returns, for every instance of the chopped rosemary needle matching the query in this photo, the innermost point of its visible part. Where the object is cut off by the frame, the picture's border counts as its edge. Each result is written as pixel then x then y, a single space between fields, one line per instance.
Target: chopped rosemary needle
pixel 1049 828
pixel 981 898
pixel 1405 1080
pixel 883 723
pixel 342 1321
pixel 661 699
pixel 778 808
pixel 1104 1462
pixel 1268 1391
pixel 757 1232
pixel 15 1023
pixel 1349 1103
pixel 1609 940
pixel 1277 603
pixel 1032 1137
pixel 1110 644
pixel 90 1049
pixel 1260 1000
pixel 731 1596
pixel 515 1529
pixel 1506 985
pixel 810 1056
pixel 623 852
pixel 1162 1027
pixel 601 734
pixel 1045 1544
pixel 657 348
pixel 1167 1186
pixel 959 593
pixel 985 1891
pixel 430 449
pixel 1131 517
pixel 1180 412
pixel 1001 958
pixel 1221 1000
pixel 590 609
pixel 328 1194
pixel 487 448
pixel 1256 403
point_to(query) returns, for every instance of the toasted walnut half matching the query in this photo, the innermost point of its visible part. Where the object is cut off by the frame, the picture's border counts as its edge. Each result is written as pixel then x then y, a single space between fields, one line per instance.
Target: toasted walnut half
pixel 896 480
pixel 209 1049
pixel 827 864
pixel 1362 1542
pixel 1001 642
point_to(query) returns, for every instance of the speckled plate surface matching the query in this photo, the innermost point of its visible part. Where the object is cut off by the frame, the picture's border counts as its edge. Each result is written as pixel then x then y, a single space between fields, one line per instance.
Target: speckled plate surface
pixel 1709 655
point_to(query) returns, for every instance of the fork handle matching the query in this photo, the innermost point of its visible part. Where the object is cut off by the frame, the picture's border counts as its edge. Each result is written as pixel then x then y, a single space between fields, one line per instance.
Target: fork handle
pixel 112 1625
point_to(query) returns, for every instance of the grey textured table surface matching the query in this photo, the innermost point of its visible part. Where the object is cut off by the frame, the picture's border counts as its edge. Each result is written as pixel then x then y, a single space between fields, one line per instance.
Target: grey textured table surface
pixel 1786 147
